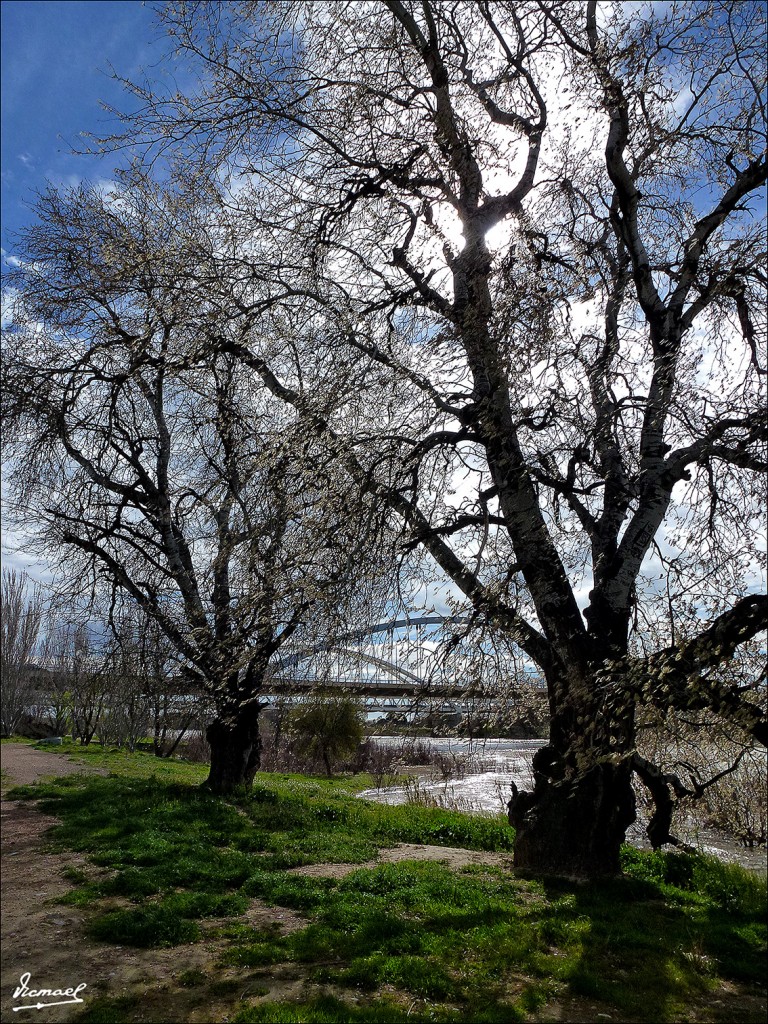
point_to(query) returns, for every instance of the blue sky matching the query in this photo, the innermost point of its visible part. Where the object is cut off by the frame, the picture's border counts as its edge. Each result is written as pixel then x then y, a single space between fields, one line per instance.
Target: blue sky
pixel 55 60
pixel 55 71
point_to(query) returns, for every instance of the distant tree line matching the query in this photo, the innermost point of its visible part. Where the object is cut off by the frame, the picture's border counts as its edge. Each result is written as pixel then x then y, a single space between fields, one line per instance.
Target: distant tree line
pixel 66 673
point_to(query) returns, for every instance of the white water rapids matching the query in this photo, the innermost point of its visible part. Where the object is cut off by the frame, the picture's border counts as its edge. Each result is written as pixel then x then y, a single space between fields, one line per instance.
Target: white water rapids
pixel 481 784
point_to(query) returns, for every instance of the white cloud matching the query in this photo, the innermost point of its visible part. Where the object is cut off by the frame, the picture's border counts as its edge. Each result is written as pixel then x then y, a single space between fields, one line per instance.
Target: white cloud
pixel 8 297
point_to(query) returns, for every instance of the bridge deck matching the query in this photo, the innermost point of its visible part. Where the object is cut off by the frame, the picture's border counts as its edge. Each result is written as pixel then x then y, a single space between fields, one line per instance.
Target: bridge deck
pixel 390 688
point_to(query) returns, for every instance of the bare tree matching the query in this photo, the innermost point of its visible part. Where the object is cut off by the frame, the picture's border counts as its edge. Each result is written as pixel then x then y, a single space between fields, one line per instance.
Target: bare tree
pixel 187 488
pixel 87 676
pixel 22 609
pixel 539 226
pixel 54 707
pixel 155 681
pixel 126 716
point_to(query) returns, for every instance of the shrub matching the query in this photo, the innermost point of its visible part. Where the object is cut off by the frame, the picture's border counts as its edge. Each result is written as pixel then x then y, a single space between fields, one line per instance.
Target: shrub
pixel 327 726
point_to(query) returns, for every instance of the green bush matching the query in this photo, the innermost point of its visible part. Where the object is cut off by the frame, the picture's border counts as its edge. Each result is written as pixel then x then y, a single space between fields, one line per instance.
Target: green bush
pixel 327 727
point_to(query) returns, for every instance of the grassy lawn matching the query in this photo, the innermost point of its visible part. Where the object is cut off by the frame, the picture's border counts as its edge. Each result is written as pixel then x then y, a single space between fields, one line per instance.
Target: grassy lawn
pixel 409 941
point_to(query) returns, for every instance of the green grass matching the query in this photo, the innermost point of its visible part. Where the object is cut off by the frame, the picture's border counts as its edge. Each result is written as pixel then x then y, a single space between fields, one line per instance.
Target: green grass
pixel 192 978
pixel 328 1009
pixel 408 941
pixel 121 762
pixel 418 927
pixel 106 1010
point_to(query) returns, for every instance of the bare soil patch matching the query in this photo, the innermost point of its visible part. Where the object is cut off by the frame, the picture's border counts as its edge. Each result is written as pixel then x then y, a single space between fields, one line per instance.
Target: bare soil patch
pixel 47 940
pixel 22 765
pixel 453 857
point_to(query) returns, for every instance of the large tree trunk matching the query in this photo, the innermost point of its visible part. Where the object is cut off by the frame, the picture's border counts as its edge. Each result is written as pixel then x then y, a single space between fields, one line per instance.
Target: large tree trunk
pixel 235 752
pixel 574 821
pixel 573 827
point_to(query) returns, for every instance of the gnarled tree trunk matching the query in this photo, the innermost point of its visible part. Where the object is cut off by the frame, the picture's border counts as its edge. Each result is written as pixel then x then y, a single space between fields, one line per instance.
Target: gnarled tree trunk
pixel 575 820
pixel 235 752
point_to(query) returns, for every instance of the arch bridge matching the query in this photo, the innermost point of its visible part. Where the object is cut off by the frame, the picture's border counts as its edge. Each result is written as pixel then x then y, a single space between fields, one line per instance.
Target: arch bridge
pixel 387 673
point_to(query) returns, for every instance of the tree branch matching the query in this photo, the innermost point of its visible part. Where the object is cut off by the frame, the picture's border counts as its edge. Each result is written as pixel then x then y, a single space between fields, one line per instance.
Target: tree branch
pixel 680 676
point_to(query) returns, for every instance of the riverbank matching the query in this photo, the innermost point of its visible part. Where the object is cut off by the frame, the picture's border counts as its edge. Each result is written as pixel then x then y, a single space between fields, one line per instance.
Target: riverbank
pixel 475 776
pixel 302 902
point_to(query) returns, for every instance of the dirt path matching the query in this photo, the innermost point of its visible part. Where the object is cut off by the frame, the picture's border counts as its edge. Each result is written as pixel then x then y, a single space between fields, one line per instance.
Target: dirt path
pixel 45 939
pixel 22 764
pixel 452 856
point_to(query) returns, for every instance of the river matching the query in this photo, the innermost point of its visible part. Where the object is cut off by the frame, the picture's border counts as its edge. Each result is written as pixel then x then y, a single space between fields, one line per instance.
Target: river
pixel 484 770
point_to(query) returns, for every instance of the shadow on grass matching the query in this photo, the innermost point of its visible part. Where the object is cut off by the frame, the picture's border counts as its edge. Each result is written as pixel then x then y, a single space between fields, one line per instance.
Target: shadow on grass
pixel 502 947
pixel 649 949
